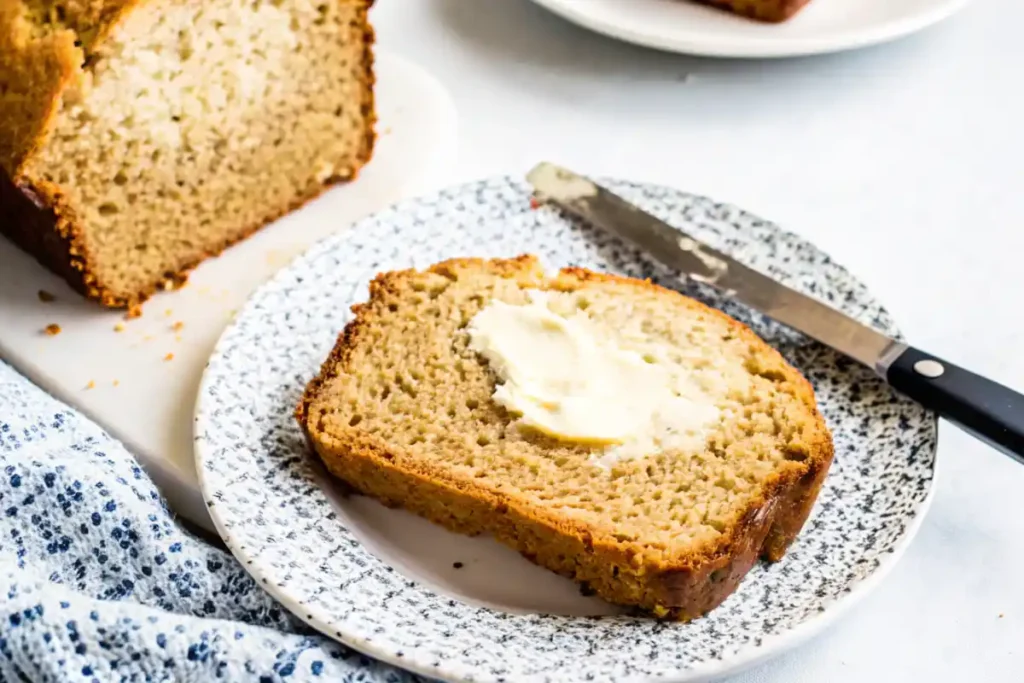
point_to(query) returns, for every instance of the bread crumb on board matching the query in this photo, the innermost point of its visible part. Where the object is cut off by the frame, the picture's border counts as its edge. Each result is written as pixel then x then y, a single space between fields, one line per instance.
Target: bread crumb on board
pixel 118 327
pixel 90 385
pixel 169 356
pixel 52 330
pixel 133 312
pixel 178 326
pixel 116 382
pixel 46 297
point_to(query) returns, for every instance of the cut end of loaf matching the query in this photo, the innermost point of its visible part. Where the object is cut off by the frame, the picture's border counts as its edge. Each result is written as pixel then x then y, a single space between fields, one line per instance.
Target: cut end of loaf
pixel 403 411
pixel 187 126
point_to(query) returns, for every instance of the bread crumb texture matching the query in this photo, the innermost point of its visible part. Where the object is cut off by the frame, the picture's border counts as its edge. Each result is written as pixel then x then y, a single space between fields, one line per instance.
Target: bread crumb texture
pixel 52 330
pixel 402 410
pixel 150 135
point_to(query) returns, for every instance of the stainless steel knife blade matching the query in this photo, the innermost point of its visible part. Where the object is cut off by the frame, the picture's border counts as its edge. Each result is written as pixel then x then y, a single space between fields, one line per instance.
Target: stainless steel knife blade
pixel 681 252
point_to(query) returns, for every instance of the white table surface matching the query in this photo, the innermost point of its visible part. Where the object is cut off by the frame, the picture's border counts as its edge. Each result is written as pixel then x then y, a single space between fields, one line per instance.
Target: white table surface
pixel 141 384
pixel 906 162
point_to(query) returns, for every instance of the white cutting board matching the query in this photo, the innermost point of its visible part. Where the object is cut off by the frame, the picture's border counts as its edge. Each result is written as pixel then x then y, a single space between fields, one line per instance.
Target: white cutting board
pixel 141 383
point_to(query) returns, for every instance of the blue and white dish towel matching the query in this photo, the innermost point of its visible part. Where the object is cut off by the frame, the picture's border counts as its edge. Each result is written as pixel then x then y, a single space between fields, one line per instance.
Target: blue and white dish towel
pixel 102 585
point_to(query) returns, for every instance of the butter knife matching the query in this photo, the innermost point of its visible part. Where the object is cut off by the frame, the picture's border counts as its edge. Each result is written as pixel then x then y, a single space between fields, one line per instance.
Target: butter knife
pixel 988 410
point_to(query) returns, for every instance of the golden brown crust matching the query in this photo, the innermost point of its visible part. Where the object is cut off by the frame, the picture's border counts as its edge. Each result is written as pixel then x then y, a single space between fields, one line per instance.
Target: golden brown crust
pixel 762 10
pixel 41 54
pixel 683 588
pixel 38 221
pixel 36 66
pixel 91 20
pixel 45 226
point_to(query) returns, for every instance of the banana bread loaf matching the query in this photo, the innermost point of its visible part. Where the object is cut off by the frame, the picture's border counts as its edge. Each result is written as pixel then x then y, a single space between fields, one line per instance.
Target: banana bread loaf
pixel 138 137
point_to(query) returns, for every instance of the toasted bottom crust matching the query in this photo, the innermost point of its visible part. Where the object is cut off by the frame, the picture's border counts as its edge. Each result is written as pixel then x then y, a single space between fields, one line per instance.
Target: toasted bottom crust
pixel 682 594
pixel 763 10
pixel 38 220
pixel 684 591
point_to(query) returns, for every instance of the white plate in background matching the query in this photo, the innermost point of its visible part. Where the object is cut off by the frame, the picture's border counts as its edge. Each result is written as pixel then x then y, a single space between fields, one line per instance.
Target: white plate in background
pixel 692 28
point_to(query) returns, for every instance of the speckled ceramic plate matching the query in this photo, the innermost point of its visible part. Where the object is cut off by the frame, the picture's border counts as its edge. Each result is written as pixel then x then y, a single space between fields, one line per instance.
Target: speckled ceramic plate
pixel 405 591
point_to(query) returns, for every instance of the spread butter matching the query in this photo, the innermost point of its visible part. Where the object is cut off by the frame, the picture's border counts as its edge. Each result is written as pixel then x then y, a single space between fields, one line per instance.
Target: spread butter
pixel 569 378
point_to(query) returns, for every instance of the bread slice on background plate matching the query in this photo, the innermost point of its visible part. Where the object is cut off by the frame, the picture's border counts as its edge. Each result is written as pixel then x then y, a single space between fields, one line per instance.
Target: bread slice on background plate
pixel 405 410
pixel 138 137
pixel 764 10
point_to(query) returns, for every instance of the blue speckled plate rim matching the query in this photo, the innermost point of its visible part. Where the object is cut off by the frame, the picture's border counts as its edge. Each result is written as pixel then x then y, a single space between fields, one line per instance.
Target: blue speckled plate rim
pixel 742 660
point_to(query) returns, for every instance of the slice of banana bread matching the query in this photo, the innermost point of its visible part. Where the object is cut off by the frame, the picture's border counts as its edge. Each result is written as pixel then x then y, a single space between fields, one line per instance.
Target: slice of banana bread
pixel 764 10
pixel 138 137
pixel 404 410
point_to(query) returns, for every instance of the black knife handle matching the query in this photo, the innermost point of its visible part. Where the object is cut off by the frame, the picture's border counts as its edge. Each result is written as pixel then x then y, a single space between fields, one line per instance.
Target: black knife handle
pixel 988 410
